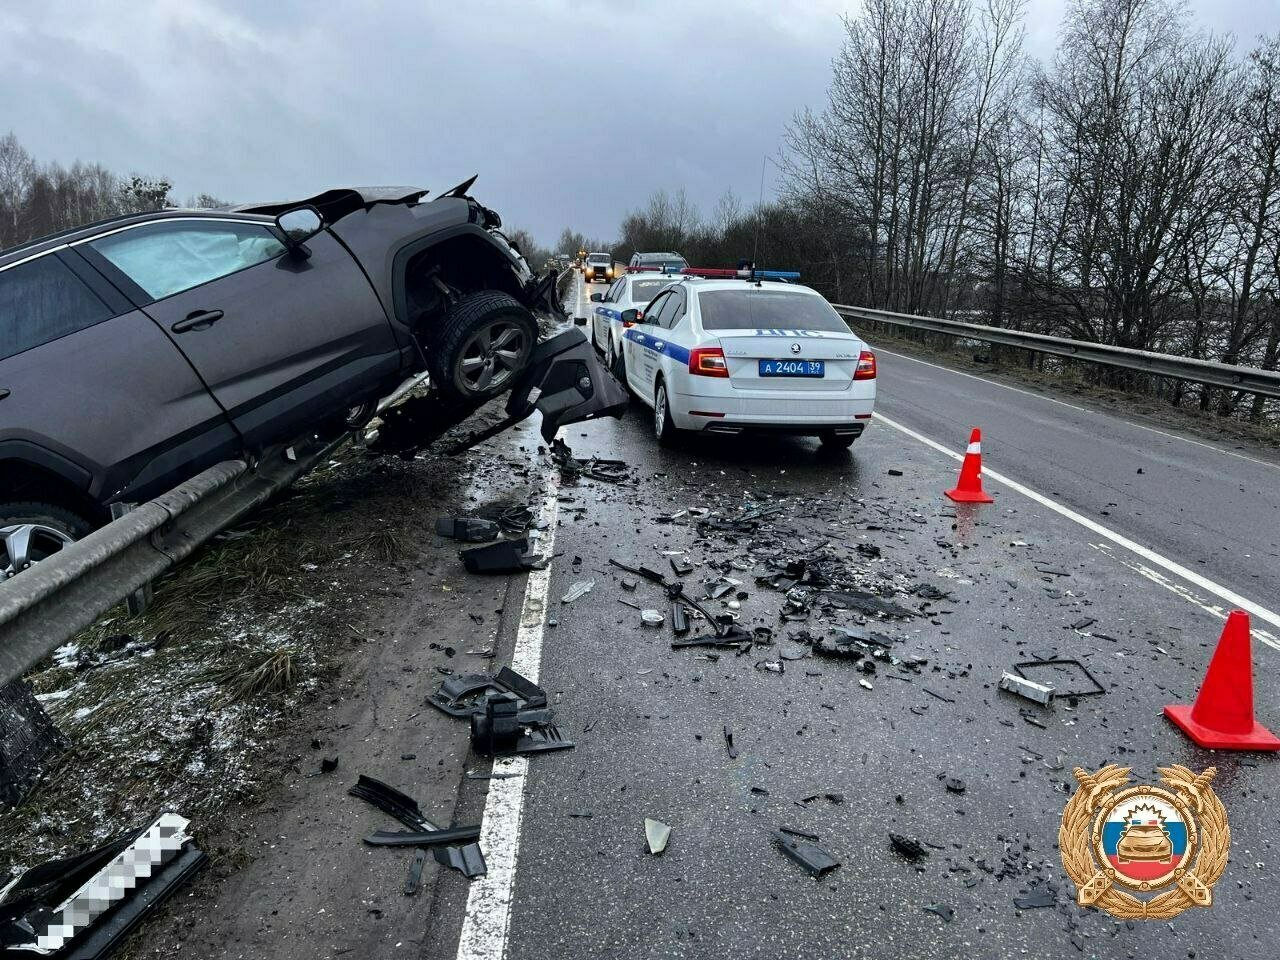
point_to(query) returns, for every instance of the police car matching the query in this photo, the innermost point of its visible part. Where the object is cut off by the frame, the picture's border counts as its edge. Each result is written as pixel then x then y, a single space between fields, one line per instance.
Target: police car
pixel 732 355
pixel 632 291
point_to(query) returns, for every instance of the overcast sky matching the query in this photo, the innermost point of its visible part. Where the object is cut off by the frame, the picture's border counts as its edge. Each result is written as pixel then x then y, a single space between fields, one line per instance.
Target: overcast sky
pixel 572 113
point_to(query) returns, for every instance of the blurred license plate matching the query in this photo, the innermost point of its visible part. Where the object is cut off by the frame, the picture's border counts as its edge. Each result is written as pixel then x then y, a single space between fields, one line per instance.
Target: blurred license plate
pixel 793 368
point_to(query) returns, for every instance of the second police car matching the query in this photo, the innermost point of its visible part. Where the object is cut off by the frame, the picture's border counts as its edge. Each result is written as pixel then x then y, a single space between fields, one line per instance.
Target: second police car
pixel 632 291
pixel 732 355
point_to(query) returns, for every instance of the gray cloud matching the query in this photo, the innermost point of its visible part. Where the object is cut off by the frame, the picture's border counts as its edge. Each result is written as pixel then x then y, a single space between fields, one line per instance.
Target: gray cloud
pixel 571 112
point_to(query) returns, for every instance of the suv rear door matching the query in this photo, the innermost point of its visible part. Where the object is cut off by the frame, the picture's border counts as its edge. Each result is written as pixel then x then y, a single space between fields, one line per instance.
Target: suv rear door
pixel 282 341
pixel 94 390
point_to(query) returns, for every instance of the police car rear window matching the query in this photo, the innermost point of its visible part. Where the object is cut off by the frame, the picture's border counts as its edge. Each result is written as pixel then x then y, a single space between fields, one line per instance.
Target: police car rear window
pixel 753 309
pixel 646 290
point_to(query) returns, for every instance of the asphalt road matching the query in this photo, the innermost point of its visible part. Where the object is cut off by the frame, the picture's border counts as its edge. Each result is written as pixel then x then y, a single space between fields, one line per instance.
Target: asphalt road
pixel 1022 582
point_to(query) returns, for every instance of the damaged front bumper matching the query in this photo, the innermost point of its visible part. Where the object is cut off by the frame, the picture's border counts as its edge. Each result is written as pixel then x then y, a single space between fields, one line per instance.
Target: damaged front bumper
pixel 564 380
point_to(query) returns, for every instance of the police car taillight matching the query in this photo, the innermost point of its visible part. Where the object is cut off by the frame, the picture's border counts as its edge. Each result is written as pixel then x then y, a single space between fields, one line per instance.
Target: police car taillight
pixel 866 366
pixel 708 362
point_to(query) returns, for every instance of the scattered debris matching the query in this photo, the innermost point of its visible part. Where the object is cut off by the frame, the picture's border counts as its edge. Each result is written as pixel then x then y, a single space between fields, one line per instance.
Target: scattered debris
pixel 954 785
pixel 1028 689
pixel 1037 897
pixel 501 729
pixel 422 838
pixel 468 529
pixel 942 910
pixel 652 618
pixel 28 742
pixel 808 854
pixel 656 834
pixel 1088 685
pixel 728 742
pixel 465 695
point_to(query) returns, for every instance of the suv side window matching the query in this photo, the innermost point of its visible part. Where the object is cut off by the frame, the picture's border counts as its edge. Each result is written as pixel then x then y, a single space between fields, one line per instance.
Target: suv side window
pixel 168 257
pixel 42 300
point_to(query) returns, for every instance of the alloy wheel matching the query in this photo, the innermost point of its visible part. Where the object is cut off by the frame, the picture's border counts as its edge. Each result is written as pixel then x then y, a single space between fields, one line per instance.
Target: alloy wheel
pixel 493 355
pixel 22 544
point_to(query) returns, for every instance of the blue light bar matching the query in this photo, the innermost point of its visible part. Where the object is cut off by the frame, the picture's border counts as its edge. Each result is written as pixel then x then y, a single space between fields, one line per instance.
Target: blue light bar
pixel 777 274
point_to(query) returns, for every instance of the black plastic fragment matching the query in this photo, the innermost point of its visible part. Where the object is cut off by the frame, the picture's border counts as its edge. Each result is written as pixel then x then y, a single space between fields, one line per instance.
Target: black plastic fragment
pixel 501 730
pixel 734 636
pixel 679 619
pixel 28 741
pixel 809 855
pixel 942 910
pixel 467 859
pixel 1038 897
pixel 728 742
pixel 468 529
pixel 1094 689
pixel 681 568
pixel 457 696
pixel 865 602
pixel 413 879
pixel 505 556
pixel 909 847
pixel 422 838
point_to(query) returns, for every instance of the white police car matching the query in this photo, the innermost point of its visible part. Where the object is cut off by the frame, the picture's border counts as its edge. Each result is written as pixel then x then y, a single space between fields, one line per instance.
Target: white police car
pixel 632 291
pixel 728 356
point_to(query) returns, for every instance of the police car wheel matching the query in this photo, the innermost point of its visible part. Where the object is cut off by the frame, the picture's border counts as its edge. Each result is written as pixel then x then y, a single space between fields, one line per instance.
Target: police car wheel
pixel 617 365
pixel 664 429
pixel 837 441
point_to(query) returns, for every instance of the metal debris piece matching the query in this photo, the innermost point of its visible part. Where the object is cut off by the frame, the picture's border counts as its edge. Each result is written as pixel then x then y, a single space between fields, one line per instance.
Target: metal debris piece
pixel 656 834
pixel 578 590
pixel 468 529
pixel 1028 689
pixel 908 847
pixel 809 855
pixel 1093 688
pixel 467 859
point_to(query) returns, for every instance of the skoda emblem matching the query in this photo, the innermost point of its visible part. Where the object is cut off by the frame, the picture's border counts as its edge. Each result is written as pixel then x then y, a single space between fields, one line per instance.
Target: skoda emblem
pixel 795 348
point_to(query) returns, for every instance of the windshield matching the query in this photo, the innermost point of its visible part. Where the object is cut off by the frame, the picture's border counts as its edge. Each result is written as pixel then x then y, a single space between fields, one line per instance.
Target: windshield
pixel 755 309
pixel 642 291
pixel 671 262
pixel 598 258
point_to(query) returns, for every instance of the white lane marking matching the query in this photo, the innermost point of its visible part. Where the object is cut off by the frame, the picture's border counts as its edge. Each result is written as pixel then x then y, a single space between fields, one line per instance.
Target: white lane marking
pixel 1150 556
pixel 1155 576
pixel 1072 406
pixel 488 918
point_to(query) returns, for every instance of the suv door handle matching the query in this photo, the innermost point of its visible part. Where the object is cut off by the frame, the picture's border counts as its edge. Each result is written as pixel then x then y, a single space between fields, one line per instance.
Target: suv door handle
pixel 200 320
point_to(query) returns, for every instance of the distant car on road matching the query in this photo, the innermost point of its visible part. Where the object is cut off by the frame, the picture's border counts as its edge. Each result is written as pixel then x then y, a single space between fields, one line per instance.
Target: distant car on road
pixel 670 262
pixel 138 351
pixel 729 356
pixel 631 291
pixel 598 267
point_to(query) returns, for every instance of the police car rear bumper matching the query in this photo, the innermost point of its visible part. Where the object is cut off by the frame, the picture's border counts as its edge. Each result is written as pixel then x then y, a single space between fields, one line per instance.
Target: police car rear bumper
pixel 735 414
pixel 841 429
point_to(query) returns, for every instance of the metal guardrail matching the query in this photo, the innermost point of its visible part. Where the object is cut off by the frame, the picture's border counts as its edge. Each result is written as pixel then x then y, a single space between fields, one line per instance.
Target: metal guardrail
pixel 1249 379
pixel 48 604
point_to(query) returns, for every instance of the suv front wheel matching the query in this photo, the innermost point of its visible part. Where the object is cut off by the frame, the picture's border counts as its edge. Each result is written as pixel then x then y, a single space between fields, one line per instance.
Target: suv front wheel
pixel 31 531
pixel 484 340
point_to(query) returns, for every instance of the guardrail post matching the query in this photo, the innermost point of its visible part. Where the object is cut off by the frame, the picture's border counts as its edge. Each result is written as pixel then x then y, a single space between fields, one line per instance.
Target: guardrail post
pixel 138 601
pixel 28 742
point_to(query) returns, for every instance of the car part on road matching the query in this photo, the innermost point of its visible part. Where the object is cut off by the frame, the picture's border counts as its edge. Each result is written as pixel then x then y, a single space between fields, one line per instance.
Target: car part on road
pixel 422 838
pixel 468 529
pixel 733 636
pixel 572 468
pixel 679 619
pixel 652 618
pixel 499 730
pixel 1093 689
pixel 85 905
pixel 578 590
pixel 865 602
pixel 457 695
pixel 942 910
pixel 413 879
pixel 808 854
pixel 728 744
pixel 467 859
pixel 908 847
pixel 657 835
pixel 28 742
pixel 505 556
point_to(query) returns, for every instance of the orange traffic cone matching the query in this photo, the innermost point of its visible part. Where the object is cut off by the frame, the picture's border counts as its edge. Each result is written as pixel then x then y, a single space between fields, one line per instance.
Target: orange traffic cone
pixel 969 489
pixel 1222 717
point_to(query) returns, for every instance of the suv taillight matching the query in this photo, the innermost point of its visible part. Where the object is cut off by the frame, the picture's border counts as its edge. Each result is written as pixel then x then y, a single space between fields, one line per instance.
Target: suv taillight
pixel 866 366
pixel 708 362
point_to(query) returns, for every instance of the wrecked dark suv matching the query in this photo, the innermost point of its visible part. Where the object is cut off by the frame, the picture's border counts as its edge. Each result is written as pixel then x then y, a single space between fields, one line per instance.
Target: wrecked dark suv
pixel 138 351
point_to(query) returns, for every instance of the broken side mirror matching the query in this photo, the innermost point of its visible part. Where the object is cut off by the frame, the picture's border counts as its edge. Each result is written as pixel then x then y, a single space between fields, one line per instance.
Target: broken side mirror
pixel 597 298
pixel 298 226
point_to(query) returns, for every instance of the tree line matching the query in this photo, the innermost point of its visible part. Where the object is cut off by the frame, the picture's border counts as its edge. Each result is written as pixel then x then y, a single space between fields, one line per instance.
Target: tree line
pixel 1125 192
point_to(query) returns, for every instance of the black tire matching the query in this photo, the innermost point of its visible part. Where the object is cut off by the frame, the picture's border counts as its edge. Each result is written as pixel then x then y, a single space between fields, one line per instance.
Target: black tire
pixel 617 363
pixel 837 441
pixel 460 339
pixel 664 428
pixel 52 523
